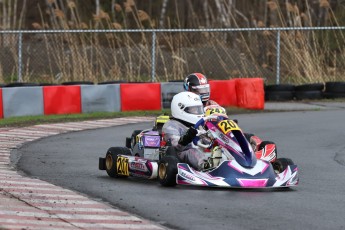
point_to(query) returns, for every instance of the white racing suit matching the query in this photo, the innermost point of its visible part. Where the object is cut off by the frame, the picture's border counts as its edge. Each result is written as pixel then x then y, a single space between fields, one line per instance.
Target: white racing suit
pixel 173 130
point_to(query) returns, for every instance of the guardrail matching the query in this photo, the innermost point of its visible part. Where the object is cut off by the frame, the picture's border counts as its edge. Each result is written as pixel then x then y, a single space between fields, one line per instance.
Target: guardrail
pixel 74 99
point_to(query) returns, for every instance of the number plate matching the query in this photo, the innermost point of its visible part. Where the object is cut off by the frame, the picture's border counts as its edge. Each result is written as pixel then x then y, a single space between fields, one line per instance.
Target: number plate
pixel 227 126
pixel 122 166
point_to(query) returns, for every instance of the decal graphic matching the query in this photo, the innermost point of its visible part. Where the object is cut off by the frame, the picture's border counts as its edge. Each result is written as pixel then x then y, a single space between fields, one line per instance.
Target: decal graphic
pixel 122 166
pixel 228 125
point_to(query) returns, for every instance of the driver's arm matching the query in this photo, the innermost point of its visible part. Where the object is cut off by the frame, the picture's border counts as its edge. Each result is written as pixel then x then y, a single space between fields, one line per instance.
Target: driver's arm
pixel 188 137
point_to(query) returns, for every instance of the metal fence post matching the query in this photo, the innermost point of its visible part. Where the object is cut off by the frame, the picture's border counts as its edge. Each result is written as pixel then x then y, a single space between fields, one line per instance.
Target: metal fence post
pixel 20 61
pixel 153 57
pixel 278 58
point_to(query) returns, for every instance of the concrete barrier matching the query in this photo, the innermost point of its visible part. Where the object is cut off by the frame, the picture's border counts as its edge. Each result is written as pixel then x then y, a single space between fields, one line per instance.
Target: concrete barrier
pixel 250 93
pixel 224 92
pixel 169 89
pixel 62 99
pixel 140 96
pixel 74 99
pixel 100 98
pixel 22 101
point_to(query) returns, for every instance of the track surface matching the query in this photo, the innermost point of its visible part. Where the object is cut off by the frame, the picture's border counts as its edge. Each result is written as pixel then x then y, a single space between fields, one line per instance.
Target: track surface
pixel 313 139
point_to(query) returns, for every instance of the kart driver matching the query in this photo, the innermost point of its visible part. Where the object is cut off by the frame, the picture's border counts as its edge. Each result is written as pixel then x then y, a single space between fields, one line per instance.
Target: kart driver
pixel 179 131
pixel 197 83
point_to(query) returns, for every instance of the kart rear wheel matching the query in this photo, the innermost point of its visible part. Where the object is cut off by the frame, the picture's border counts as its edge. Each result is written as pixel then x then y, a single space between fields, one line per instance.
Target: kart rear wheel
pixel 167 171
pixel 171 151
pixel 281 164
pixel 128 142
pixel 111 160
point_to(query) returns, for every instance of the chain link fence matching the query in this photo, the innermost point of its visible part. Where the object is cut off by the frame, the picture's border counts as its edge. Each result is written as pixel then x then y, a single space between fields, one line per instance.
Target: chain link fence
pixel 279 55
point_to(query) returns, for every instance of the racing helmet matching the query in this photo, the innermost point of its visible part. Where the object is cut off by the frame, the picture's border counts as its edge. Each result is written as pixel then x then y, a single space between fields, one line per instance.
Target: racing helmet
pixel 197 83
pixel 187 106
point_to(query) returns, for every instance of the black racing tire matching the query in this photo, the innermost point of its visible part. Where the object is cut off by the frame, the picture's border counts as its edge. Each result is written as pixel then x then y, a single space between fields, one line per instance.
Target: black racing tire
pixel 279 88
pixel 111 160
pixel 112 82
pixel 331 95
pixel 279 95
pixel 21 84
pixel 335 87
pixel 171 151
pixel 48 84
pixel 133 137
pixel 77 83
pixel 308 95
pixel 128 142
pixel 281 164
pixel 176 80
pixel 310 87
pixel 280 92
pixel 167 171
pixel 248 136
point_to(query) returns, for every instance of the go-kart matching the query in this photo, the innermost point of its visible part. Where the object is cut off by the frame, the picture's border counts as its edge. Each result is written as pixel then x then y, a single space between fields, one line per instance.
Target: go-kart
pixel 233 162
pixel 140 156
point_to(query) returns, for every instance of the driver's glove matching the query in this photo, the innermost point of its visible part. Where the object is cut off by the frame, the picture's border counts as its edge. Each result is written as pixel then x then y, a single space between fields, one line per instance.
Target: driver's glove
pixel 188 137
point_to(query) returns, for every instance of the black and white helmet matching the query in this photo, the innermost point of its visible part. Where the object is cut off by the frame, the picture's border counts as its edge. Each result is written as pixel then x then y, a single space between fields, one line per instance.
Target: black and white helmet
pixel 197 83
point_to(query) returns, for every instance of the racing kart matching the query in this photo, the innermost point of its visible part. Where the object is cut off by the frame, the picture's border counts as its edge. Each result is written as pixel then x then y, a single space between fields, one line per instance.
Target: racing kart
pixel 233 162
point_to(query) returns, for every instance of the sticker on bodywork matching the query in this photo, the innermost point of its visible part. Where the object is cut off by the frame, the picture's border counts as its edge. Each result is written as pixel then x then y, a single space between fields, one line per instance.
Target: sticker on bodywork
pixel 122 166
pixel 227 126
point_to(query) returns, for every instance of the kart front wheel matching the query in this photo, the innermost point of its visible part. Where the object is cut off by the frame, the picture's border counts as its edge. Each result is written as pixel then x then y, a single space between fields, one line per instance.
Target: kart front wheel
pixel 281 164
pixel 167 171
pixel 111 159
pixel 264 143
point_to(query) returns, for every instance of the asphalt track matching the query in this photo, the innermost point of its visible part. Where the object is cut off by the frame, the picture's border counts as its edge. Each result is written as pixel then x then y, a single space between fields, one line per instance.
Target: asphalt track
pixel 314 140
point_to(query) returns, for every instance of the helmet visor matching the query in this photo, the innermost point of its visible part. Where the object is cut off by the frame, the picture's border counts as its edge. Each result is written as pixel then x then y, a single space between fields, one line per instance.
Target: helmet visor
pixel 201 89
pixel 196 110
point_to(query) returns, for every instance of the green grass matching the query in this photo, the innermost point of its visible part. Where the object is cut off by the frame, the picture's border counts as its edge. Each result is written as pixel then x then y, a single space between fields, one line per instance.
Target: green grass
pixel 34 120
